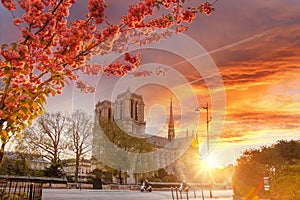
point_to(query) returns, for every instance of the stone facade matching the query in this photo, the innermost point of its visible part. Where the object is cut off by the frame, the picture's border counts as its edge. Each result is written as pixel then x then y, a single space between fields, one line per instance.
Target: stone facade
pixel 84 170
pixel 128 112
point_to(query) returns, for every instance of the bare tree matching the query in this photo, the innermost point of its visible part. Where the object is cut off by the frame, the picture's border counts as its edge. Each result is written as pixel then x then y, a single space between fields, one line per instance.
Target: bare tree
pixel 80 136
pixel 46 137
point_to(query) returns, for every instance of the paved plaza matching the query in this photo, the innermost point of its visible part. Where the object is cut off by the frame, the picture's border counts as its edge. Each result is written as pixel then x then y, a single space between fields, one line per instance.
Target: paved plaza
pixel 76 194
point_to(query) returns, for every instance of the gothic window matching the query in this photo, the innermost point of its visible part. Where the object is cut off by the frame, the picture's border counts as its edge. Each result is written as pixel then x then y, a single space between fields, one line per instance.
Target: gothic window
pixel 131 109
pixel 136 111
pixel 109 113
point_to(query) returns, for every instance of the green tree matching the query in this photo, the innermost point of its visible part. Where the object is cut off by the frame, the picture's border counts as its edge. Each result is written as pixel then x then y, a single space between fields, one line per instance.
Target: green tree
pixel 15 167
pixel 54 170
pixel 171 178
pixel 162 173
pixel 248 176
pixel 285 184
pixel 125 142
pixel 122 139
pixel 274 161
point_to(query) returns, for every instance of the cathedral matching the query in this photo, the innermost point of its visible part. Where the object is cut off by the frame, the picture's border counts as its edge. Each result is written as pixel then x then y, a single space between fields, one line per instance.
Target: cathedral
pixel 128 113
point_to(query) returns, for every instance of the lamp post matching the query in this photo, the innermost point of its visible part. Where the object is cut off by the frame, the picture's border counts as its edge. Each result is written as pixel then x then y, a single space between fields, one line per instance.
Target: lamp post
pixel 207 138
pixel 207 124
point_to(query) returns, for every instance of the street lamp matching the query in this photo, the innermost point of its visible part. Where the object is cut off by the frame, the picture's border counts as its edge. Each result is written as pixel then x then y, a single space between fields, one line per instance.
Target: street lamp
pixel 208 119
pixel 207 124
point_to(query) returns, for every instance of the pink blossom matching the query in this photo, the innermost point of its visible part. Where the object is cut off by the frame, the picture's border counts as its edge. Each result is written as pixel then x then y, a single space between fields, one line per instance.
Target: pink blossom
pixel 206 8
pixel 9 4
pixel 96 8
pixel 188 16
pixel 181 29
pixel 17 21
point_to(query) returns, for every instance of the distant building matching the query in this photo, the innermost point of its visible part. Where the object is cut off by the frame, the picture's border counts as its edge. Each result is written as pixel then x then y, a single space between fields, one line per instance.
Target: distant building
pixel 36 162
pixel 85 168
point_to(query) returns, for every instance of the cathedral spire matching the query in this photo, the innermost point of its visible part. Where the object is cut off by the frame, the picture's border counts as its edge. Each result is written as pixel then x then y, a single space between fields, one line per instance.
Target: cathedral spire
pixel 171 121
pixel 171 130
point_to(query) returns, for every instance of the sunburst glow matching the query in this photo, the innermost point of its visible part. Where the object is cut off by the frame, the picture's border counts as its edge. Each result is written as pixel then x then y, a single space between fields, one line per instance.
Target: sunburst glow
pixel 210 163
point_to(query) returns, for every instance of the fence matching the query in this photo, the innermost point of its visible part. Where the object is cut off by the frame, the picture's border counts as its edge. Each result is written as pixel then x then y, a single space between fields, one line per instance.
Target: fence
pixel 15 190
pixel 25 187
pixel 184 194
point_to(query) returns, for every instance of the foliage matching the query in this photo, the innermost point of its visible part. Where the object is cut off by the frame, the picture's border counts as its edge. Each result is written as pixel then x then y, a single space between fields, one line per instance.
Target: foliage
pixel 69 179
pixel 247 179
pixel 162 173
pixel 97 173
pixel 122 139
pixel 19 166
pixel 13 196
pixel 285 184
pixel 14 167
pixel 159 175
pixel 107 177
pixel 54 170
pixel 171 178
pixel 104 175
pixel 115 135
pixel 273 161
pixel 37 172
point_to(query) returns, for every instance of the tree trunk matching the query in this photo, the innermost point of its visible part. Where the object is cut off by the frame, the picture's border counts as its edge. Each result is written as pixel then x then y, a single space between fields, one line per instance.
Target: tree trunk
pixel 54 161
pixel 76 168
pixel 120 177
pixel 2 152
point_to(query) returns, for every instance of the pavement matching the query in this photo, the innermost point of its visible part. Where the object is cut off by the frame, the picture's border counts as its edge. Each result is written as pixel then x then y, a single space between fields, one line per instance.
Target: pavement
pixel 76 194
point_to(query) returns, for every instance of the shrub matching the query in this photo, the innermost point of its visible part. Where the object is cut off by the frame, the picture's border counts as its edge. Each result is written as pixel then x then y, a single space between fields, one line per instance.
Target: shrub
pixel 285 183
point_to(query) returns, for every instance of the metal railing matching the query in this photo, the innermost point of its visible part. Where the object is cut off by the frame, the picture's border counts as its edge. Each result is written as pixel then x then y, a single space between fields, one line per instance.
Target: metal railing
pixel 180 194
pixel 13 190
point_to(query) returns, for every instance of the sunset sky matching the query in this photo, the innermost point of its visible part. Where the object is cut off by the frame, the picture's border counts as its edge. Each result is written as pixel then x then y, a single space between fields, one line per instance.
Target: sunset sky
pixel 255 48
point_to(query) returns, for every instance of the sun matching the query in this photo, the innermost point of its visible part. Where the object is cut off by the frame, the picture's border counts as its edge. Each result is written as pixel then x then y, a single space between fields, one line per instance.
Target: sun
pixel 209 162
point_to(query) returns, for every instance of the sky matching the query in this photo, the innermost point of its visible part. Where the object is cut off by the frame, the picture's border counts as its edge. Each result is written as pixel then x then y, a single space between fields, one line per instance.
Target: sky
pixel 244 61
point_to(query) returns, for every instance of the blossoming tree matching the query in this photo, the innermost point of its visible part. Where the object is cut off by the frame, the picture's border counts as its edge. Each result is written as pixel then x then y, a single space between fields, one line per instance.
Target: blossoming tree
pixel 52 48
